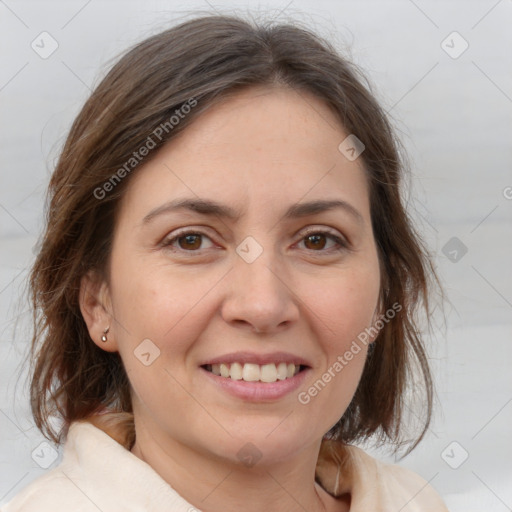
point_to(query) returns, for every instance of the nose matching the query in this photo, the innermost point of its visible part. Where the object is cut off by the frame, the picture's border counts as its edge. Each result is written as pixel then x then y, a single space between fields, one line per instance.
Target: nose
pixel 259 298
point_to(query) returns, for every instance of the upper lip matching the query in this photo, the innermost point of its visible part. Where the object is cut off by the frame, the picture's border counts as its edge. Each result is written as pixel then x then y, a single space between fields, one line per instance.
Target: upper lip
pixel 260 359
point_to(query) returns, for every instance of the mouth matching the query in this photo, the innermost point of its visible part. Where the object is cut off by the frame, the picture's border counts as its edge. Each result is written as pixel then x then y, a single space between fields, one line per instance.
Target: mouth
pixel 252 372
pixel 255 377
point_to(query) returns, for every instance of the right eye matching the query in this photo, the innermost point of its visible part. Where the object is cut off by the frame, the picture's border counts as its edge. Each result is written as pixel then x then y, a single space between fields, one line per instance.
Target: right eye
pixel 188 241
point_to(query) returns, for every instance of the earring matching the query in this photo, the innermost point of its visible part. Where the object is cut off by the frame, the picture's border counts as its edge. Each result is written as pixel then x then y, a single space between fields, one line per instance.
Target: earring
pixel 104 337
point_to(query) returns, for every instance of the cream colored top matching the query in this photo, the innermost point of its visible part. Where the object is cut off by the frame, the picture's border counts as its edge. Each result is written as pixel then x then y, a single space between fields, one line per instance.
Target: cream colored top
pixel 97 473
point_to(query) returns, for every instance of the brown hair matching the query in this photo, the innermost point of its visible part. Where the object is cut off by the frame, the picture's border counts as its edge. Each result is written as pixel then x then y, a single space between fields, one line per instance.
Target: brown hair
pixel 199 62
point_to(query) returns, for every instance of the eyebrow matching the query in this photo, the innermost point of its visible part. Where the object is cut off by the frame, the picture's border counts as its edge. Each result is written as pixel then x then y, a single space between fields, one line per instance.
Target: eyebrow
pixel 212 208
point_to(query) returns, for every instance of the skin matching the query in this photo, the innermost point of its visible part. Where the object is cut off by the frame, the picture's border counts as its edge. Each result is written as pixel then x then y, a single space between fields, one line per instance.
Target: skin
pixel 258 152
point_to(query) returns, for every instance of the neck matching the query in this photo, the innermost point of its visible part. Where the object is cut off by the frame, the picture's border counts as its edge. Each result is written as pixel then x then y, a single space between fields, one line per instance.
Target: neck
pixel 220 485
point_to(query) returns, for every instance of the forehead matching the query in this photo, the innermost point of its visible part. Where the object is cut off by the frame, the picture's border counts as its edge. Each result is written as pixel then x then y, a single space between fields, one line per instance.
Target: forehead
pixel 263 147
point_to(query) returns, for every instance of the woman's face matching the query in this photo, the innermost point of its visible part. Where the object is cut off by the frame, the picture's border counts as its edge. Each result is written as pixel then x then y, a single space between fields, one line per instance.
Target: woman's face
pixel 249 278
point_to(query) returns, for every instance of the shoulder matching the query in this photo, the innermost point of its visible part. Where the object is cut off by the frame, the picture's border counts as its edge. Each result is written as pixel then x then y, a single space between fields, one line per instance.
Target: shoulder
pixel 398 486
pixel 67 486
pixel 98 472
pixel 373 483
pixel 52 491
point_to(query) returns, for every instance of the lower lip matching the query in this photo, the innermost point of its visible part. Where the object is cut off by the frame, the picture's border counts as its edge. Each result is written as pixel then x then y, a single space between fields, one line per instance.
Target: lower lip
pixel 257 391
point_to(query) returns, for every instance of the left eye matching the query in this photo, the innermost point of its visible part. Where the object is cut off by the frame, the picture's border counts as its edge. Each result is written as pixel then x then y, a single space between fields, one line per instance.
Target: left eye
pixel 316 241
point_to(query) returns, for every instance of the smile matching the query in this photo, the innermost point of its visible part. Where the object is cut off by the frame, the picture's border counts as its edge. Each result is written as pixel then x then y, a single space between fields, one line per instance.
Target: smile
pixel 251 372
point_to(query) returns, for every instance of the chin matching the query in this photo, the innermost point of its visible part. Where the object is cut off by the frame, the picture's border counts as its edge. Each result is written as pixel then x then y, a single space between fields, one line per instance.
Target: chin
pixel 264 444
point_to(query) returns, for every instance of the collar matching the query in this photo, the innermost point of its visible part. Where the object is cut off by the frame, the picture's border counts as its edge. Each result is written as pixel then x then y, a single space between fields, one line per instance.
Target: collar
pixel 100 446
pixel 335 466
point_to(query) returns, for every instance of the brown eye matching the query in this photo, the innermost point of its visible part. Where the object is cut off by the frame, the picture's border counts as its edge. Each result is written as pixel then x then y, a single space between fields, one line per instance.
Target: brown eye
pixel 189 241
pixel 317 241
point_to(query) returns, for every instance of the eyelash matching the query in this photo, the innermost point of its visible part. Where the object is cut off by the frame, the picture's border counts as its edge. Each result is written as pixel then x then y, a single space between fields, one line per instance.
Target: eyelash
pixel 342 244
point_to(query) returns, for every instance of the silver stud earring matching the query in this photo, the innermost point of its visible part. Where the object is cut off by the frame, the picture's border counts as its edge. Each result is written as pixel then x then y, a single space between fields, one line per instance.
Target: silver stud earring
pixel 104 337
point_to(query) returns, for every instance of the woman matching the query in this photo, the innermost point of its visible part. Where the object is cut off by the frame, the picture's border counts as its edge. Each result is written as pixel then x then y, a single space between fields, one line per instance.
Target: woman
pixel 227 285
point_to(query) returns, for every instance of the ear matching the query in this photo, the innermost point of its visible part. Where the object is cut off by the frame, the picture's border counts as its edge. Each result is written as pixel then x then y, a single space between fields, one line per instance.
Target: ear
pixel 96 307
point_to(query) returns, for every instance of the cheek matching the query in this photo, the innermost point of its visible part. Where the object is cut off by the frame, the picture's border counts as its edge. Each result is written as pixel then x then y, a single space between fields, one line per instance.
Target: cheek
pixel 156 301
pixel 160 316
pixel 344 310
pixel 162 312
pixel 345 305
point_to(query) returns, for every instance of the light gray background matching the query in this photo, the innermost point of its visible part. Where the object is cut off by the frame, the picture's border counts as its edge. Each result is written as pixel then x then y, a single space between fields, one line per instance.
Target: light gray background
pixel 455 117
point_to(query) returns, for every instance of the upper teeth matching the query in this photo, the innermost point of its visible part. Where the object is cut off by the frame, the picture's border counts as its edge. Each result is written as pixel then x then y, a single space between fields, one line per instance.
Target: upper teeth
pixel 251 372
